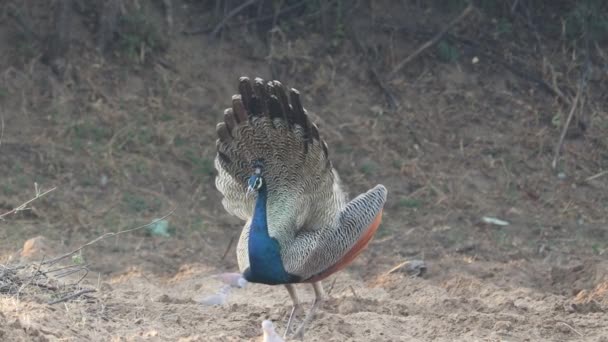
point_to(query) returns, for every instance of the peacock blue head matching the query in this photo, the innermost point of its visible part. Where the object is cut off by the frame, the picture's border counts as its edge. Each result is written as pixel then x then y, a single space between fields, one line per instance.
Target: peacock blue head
pixel 256 181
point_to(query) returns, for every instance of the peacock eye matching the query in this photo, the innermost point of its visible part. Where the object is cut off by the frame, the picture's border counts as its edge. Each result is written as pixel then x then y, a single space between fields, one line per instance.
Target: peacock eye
pixel 258 183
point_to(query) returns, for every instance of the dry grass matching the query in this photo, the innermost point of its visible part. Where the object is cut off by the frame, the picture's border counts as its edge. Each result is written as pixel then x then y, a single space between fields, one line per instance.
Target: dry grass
pixel 54 277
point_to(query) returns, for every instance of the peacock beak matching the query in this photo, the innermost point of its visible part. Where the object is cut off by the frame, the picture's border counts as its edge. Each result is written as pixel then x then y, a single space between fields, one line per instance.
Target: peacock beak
pixel 250 190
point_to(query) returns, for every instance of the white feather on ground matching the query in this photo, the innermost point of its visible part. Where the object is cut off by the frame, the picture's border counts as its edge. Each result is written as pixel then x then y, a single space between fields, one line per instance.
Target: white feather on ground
pixel 270 335
pixel 219 298
pixel 233 279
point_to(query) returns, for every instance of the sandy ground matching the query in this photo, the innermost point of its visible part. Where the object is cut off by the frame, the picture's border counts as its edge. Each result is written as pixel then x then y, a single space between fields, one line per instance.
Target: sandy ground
pixel 137 306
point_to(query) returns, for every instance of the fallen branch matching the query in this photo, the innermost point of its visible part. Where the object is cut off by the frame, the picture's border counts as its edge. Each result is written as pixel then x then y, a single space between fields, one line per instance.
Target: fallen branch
pixel 73 295
pixel 104 236
pixel 517 70
pixel 390 97
pixel 581 86
pixel 597 175
pixel 23 206
pixel 483 50
pixel 31 279
pixel 560 142
pixel 432 41
pixel 9 278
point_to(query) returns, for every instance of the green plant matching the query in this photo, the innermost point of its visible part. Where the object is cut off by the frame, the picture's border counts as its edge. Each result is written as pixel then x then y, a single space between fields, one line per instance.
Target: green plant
pixel 588 17
pixel 451 5
pixel 91 131
pixel 78 259
pixel 134 203
pixel 447 52
pixel 25 44
pixel 138 35
pixel 503 26
pixel 166 117
pixel 179 141
pixel 8 190
pixel 502 237
pixel 368 168
pixel 137 139
pixel 410 203
pixel 202 166
pixel 343 148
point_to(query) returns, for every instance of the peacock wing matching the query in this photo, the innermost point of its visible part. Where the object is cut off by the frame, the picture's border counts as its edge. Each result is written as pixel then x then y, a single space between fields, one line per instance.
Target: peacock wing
pixel 315 254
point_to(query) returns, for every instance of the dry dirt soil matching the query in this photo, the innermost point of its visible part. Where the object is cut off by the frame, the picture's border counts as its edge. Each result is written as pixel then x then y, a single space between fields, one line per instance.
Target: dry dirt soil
pixel 128 135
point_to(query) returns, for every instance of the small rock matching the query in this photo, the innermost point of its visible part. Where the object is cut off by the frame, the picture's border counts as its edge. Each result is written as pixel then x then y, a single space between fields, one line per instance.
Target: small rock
pixel 35 249
pixel 521 304
pixel 503 326
pixel 105 287
pixel 16 324
pixel 416 268
pixel 347 307
pixel 164 298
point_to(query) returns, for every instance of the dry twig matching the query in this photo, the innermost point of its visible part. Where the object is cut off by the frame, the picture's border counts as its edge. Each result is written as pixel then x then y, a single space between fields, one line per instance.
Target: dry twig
pixel 581 86
pixel 1 129
pixel 331 287
pixel 560 142
pixel 597 175
pixel 31 279
pixel 391 99
pixel 232 13
pixel 232 239
pixel 71 296
pixel 23 206
pixel 43 268
pixel 432 41
pixel 571 328
pixel 277 14
pixel 104 236
pixel 352 290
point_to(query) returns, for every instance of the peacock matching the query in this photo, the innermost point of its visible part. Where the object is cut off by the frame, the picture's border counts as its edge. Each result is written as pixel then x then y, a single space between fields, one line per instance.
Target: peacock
pixel 274 172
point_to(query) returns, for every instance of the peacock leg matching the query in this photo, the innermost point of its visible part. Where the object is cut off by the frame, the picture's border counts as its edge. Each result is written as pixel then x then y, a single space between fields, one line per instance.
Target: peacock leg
pixel 319 297
pixel 296 306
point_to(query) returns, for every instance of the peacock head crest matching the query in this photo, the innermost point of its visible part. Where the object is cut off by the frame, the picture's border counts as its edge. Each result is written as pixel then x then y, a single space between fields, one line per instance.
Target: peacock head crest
pixel 256 181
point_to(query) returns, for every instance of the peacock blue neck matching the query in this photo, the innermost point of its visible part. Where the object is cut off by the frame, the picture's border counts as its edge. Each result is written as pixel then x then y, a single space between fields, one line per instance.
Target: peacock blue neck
pixel 265 263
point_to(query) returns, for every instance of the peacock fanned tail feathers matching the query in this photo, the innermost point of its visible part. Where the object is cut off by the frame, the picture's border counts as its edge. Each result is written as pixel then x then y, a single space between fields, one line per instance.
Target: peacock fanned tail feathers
pixel 308 214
